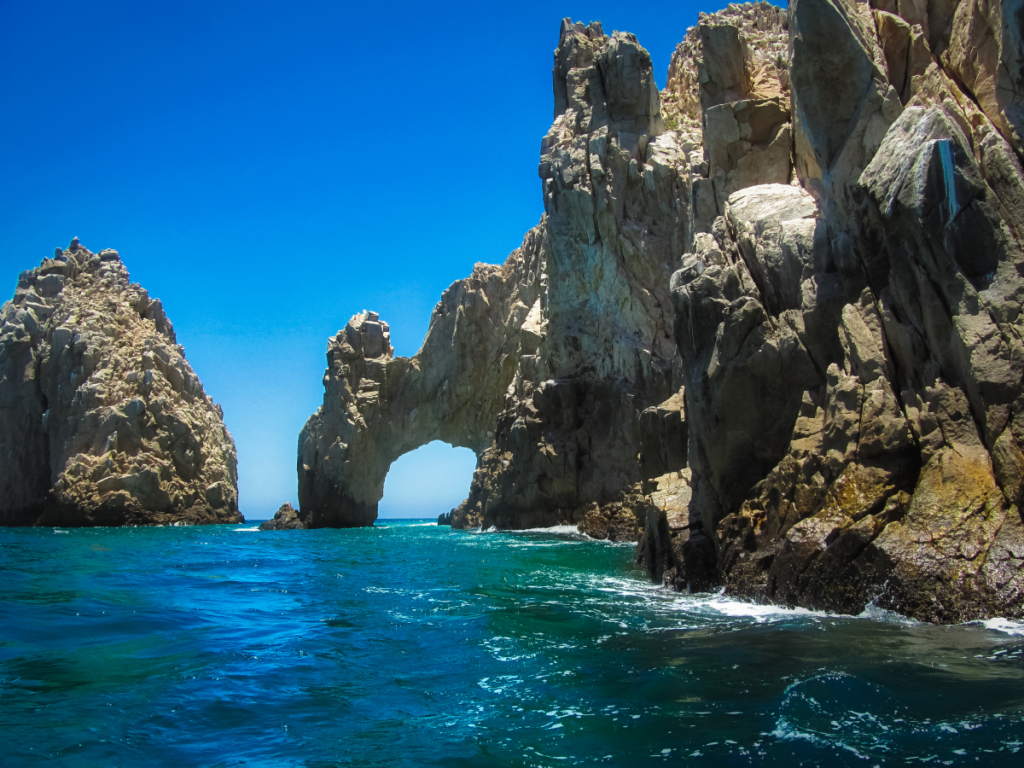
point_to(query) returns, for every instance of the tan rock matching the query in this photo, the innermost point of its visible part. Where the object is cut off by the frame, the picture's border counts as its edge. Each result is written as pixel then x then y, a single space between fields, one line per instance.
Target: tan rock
pixel 102 420
pixel 986 54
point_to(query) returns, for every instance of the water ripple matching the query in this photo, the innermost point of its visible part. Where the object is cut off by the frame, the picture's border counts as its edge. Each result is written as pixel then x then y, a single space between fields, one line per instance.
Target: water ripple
pixel 412 644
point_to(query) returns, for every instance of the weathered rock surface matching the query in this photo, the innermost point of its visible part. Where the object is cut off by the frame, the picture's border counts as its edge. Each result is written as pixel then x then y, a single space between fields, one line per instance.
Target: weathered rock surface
pixel 851 348
pixel 102 420
pixel 830 414
pixel 285 519
pixel 728 91
pixel 542 365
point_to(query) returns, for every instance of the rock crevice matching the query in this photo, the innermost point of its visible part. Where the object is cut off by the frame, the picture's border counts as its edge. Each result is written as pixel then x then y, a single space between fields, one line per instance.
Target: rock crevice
pixel 852 372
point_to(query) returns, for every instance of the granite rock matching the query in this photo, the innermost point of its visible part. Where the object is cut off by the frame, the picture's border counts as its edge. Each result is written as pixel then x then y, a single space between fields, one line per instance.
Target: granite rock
pixel 769 324
pixel 851 349
pixel 540 366
pixel 102 420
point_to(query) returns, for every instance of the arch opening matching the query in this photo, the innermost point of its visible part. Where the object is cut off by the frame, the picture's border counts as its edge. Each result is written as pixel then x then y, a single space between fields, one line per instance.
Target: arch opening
pixel 427 482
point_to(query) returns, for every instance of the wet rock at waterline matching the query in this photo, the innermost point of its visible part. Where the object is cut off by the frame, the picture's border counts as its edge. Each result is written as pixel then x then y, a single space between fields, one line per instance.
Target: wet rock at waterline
pixel 850 344
pixel 285 519
pixel 102 420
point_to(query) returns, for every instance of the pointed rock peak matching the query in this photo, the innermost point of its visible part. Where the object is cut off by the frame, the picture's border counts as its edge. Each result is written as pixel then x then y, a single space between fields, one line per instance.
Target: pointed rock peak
pixel 103 420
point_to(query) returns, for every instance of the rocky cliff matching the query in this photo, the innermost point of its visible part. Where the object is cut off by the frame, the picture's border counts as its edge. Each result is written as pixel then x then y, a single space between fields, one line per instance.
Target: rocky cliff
pixel 541 365
pixel 102 421
pixel 773 313
pixel 851 342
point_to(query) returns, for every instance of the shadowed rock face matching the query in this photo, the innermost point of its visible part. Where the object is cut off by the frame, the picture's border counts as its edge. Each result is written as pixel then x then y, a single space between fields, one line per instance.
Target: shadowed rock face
pixel 102 421
pixel 851 347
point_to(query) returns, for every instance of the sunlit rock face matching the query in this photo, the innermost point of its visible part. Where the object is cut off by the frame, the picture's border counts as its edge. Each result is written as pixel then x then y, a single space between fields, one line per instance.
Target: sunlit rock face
pixel 772 315
pixel 378 407
pixel 102 420
pixel 850 340
pixel 541 365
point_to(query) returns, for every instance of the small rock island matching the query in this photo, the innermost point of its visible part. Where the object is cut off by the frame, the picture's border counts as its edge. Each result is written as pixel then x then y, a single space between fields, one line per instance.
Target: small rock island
pixel 102 420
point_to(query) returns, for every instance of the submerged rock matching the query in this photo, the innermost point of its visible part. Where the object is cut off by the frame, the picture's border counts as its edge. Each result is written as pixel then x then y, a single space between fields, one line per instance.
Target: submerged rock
pixel 102 420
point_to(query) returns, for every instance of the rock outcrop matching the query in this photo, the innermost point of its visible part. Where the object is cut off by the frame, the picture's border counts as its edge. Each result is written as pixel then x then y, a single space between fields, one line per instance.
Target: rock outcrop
pixel 285 519
pixel 830 412
pixel 541 365
pixel 851 342
pixel 102 421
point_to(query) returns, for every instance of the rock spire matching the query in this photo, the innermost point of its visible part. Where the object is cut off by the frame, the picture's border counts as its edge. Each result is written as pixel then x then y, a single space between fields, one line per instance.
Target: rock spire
pixel 540 365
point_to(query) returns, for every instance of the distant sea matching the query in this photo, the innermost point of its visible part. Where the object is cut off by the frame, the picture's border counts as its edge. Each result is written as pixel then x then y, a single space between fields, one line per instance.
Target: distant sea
pixel 410 644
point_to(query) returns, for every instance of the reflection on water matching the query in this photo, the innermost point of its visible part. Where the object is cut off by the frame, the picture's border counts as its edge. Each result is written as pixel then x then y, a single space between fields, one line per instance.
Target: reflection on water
pixel 413 644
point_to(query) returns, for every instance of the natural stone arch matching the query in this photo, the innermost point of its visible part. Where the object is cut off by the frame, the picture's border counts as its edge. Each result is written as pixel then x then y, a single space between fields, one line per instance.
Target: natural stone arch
pixel 544 365
pixel 378 407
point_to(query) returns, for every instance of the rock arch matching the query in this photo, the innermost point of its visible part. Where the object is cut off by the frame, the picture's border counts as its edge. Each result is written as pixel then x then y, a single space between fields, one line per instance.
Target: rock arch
pixel 541 366
pixel 378 407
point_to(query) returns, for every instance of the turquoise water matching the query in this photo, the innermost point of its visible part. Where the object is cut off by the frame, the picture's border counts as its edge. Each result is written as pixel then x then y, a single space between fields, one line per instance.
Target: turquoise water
pixel 409 644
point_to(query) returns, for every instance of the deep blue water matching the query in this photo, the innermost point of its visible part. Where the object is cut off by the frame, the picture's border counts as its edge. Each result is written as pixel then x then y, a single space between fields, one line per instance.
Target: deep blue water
pixel 409 644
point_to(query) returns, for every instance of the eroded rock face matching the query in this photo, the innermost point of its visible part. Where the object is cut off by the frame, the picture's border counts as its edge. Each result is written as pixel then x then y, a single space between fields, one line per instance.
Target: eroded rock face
pixel 540 366
pixel 102 420
pixel 839 193
pixel 728 92
pixel 851 346
pixel 378 407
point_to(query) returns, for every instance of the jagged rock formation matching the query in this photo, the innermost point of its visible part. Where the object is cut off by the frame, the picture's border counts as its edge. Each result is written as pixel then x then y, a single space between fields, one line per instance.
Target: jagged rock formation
pixel 728 92
pixel 841 185
pixel 378 407
pixel 285 519
pixel 851 348
pixel 102 421
pixel 541 365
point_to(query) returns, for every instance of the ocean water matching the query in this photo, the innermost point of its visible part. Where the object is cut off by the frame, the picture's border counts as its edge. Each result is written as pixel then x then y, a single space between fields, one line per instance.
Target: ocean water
pixel 410 644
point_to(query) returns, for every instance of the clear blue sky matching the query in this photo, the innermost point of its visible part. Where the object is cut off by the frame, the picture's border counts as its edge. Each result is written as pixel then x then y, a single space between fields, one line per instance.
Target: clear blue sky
pixel 270 169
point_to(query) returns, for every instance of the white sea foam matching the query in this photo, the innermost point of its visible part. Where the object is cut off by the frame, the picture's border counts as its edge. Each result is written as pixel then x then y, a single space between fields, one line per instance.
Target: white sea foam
pixel 554 529
pixel 563 529
pixel 1004 625
pixel 758 612
pixel 244 530
pixel 874 613
pixel 58 530
pixel 786 731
